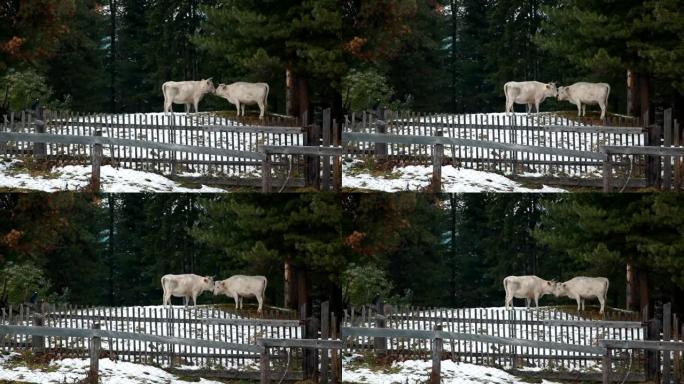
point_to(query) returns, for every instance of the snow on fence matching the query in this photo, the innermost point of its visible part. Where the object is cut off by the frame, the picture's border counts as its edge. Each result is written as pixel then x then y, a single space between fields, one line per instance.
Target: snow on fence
pixel 544 327
pixel 203 323
pixel 190 130
pixel 547 132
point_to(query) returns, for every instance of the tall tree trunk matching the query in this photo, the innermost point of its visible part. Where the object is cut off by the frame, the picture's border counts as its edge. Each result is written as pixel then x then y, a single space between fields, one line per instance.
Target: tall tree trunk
pixel 632 93
pixel 454 53
pixel 631 300
pixel 303 98
pixel 290 286
pixel 644 302
pixel 291 107
pixel 645 93
pixel 303 290
pixel 112 55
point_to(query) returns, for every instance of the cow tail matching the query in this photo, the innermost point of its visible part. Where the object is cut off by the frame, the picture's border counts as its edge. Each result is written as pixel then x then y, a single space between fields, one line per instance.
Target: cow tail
pixel 608 95
pixel 268 90
pixel 605 292
pixel 163 287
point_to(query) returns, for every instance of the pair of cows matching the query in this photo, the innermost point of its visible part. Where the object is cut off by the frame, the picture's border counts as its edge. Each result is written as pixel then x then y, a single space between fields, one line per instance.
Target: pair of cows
pixel 190 286
pixel 190 93
pixel 532 288
pixel 533 93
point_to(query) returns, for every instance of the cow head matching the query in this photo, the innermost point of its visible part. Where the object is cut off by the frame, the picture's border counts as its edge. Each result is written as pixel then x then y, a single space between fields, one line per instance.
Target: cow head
pixel 550 90
pixel 208 282
pixel 563 93
pixel 208 86
pixel 219 288
pixel 548 287
pixel 560 289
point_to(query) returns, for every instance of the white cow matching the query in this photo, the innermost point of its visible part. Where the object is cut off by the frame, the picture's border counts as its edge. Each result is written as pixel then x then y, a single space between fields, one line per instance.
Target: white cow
pixel 583 94
pixel 189 93
pixel 239 286
pixel 581 288
pixel 242 94
pixel 530 93
pixel 528 288
pixel 186 286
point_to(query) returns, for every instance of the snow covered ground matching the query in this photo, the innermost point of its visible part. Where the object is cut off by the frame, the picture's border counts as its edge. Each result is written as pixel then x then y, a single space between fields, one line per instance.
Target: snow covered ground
pixel 14 176
pixel 72 370
pixel 416 178
pixel 417 371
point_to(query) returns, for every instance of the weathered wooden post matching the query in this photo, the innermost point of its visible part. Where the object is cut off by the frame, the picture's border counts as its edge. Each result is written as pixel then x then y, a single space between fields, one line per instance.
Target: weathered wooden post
pixel 265 366
pixel 437 156
pixel 94 357
pixel 336 362
pixel 40 149
pixel 668 141
pixel 380 343
pixel 437 345
pixel 38 342
pixel 266 181
pixel 607 366
pixel 381 127
pixel 667 336
pixel 172 140
pixel 96 159
pixel 305 329
pixel 337 160
pixel 607 171
pixel 327 132
pixel 325 335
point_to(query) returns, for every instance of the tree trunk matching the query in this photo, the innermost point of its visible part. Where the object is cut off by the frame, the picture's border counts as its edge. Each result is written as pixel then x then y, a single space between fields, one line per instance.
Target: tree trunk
pixel 632 93
pixel 644 96
pixel 112 54
pixel 291 107
pixel 290 288
pixel 631 300
pixel 644 302
pixel 303 97
pixel 303 290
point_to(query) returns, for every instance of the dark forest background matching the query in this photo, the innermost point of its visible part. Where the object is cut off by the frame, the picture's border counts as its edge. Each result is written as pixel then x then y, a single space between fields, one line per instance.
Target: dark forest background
pixel 424 55
pixel 450 250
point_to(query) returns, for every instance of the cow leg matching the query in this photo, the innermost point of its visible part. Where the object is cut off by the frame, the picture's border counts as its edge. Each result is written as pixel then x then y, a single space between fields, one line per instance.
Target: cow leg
pixel 241 301
pixel 237 300
pixel 243 110
pixel 197 106
pixel 237 105
pixel 260 299
pixel 261 110
pixel 584 110
pixel 579 109
pixel 579 303
pixel 602 301
pixel 603 110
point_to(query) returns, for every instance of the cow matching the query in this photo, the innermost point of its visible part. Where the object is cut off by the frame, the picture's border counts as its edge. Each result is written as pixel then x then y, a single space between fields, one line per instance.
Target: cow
pixel 189 93
pixel 583 94
pixel 581 288
pixel 241 94
pixel 528 288
pixel 239 287
pixel 186 286
pixel 531 93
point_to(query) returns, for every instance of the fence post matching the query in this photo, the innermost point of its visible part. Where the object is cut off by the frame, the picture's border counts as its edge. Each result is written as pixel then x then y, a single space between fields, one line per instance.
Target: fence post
pixel 38 342
pixel 94 357
pixel 337 160
pixel 667 160
pixel 96 159
pixel 172 140
pixel 381 127
pixel 325 335
pixel 327 132
pixel 336 362
pixel 305 335
pixel 265 367
pixel 40 149
pixel 679 170
pixel 437 156
pixel 437 344
pixel 607 171
pixel 667 336
pixel 266 183
pixel 607 368
pixel 380 343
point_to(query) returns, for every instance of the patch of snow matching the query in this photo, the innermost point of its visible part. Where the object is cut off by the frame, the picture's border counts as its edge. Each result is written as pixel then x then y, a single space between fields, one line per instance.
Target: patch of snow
pixel 77 177
pixel 416 178
pixel 416 371
pixel 111 372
